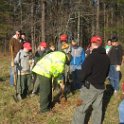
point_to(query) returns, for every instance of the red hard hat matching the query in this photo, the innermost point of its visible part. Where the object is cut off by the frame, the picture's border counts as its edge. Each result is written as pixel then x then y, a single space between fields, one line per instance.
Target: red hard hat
pixel 43 44
pixel 27 45
pixel 96 39
pixel 63 37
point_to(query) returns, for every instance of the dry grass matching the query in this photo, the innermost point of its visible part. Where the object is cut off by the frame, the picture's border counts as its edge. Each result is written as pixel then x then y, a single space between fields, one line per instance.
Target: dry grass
pixel 26 112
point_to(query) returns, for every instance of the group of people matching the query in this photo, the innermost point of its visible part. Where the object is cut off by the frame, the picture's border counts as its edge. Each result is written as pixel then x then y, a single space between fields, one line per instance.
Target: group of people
pixel 54 67
pixel 68 63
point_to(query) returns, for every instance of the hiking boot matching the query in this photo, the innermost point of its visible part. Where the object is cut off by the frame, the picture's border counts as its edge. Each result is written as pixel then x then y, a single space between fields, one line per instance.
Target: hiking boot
pixel 19 98
pixel 15 98
pixel 32 95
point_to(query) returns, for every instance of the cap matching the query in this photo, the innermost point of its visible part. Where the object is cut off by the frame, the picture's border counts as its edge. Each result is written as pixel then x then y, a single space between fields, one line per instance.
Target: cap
pixel 114 39
pixel 27 45
pixel 43 44
pixel 64 46
pixel 75 40
pixel 63 37
pixel 96 39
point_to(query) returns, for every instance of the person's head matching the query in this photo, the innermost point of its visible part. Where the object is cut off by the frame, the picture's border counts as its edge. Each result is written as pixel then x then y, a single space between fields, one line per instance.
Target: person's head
pixel 27 47
pixel 74 43
pixel 63 38
pixel 109 42
pixel 43 45
pixel 52 46
pixel 23 36
pixel 96 41
pixel 114 41
pixel 64 46
pixel 18 34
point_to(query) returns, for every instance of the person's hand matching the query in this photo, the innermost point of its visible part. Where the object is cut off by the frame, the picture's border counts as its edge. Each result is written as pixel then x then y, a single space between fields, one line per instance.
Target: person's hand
pixel 118 68
pixel 12 64
pixel 62 86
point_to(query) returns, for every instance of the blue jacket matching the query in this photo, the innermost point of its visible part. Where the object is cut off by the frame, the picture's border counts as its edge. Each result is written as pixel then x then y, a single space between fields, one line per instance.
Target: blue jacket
pixel 78 56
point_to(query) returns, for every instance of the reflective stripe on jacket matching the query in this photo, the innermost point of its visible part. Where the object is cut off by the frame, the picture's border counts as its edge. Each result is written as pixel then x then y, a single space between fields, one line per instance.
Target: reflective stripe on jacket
pixel 51 65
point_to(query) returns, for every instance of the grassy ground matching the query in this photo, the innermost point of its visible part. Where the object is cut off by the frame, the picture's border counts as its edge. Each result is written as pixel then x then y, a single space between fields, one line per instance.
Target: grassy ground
pixel 26 112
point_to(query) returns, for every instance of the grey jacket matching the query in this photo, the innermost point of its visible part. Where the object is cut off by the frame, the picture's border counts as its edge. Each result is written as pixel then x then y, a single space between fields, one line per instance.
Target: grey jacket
pixel 22 62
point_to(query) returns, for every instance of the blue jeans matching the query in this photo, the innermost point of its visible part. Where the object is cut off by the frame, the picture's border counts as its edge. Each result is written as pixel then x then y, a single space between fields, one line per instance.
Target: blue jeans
pixel 11 76
pixel 121 112
pixel 114 77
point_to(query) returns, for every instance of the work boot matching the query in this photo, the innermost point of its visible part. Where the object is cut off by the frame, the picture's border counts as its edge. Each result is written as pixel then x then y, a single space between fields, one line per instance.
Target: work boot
pixel 19 98
pixel 32 95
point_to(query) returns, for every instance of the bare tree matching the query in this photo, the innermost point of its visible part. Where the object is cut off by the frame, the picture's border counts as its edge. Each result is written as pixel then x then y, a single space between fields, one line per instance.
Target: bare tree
pixel 43 2
pixel 97 17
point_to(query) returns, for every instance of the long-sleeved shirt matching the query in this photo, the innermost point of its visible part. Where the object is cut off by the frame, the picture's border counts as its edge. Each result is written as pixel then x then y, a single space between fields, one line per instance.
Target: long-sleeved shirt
pixel 95 68
pixel 78 57
pixel 22 62
pixel 115 55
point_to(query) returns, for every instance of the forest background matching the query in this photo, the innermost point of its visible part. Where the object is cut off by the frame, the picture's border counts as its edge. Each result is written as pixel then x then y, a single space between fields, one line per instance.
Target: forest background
pixel 47 19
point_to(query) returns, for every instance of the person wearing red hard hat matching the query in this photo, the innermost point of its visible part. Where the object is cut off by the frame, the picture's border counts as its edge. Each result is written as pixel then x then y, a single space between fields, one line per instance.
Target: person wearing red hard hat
pixel 40 53
pixel 96 39
pixel 41 50
pixel 43 44
pixel 63 38
pixel 27 46
pixel 93 74
pixel 22 62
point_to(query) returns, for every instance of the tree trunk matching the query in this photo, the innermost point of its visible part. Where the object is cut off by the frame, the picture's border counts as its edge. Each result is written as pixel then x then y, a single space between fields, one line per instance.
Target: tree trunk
pixel 97 18
pixel 32 25
pixel 93 23
pixel 122 23
pixel 107 24
pixel 21 15
pixel 104 22
pixel 78 28
pixel 43 20
pixel 111 20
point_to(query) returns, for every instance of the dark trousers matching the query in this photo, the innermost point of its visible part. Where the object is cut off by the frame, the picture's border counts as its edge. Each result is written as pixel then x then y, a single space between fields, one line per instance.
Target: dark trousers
pixel 75 82
pixel 24 84
pixel 45 93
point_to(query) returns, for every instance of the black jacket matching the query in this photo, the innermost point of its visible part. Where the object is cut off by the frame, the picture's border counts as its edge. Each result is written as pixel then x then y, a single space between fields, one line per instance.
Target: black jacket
pixel 115 55
pixel 95 68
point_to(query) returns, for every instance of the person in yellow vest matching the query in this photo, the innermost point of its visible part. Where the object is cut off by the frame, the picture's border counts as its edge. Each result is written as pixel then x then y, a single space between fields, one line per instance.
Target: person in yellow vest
pixel 51 65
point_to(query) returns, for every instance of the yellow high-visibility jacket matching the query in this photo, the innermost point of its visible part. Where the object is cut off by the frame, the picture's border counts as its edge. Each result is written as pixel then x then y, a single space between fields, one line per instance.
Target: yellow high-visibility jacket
pixel 51 64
